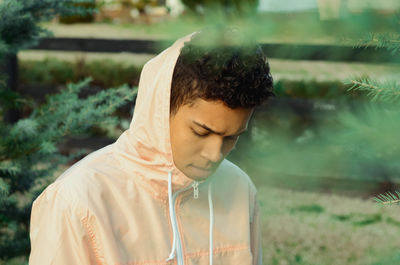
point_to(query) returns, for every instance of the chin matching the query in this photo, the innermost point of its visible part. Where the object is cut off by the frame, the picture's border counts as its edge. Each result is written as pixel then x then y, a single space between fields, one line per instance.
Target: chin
pixel 198 178
pixel 200 175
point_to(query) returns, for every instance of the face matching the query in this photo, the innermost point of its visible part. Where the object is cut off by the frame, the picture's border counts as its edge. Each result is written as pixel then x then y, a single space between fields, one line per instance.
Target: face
pixel 202 135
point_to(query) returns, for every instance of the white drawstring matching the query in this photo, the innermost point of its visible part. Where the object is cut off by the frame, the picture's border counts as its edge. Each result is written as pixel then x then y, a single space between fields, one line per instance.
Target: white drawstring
pixel 171 212
pixel 210 206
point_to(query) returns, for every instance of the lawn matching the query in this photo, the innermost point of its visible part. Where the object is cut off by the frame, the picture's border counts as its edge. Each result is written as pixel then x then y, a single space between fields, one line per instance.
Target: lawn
pixel 312 228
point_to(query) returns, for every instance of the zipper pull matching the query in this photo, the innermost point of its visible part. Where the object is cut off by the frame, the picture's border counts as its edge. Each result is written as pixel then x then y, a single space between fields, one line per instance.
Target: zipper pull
pixel 195 186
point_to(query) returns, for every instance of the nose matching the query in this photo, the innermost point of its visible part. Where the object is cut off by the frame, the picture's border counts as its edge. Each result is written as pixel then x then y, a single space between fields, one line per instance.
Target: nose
pixel 212 151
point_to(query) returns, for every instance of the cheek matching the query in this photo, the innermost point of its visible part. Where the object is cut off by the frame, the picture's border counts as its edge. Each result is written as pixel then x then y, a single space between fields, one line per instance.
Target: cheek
pixel 185 144
pixel 191 144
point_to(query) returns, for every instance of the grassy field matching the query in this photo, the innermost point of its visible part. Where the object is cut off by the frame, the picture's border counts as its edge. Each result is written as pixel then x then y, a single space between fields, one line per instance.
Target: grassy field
pixel 316 229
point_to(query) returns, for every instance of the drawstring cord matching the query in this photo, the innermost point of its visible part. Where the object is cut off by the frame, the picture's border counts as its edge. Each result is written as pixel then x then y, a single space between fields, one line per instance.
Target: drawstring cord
pixel 171 211
pixel 173 220
pixel 210 206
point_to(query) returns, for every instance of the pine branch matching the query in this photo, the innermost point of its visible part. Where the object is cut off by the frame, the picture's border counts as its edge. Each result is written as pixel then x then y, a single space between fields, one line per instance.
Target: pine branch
pixel 4 189
pixel 388 198
pixel 389 40
pixel 9 167
pixel 388 91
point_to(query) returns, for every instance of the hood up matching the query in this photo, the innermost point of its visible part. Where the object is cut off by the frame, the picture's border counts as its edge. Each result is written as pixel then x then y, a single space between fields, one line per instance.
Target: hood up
pixel 146 145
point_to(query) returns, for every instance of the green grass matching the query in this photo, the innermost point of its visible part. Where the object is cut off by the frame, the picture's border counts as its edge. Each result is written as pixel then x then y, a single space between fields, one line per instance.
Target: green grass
pixel 315 229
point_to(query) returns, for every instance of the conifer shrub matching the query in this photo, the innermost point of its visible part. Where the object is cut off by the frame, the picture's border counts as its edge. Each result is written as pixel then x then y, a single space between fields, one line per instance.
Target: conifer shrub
pixel 29 153
pixel 29 146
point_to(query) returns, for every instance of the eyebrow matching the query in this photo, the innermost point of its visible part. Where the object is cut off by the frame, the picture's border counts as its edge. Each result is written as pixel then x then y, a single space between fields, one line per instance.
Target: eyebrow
pixel 218 133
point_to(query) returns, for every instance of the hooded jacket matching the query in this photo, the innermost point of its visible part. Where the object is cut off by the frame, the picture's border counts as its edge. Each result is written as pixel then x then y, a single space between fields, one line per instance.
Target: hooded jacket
pixel 128 204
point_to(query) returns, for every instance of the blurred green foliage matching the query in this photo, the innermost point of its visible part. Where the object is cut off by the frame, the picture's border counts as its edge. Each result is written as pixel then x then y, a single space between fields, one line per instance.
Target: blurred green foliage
pixel 111 73
pixel 327 137
pixel 80 18
pixel 105 73
pixel 312 89
pixel 29 154
pixel 19 24
pixel 229 7
pixel 293 27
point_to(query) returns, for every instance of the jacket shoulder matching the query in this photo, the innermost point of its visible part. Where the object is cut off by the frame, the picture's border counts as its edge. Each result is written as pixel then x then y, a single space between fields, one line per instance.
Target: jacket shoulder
pixel 83 180
pixel 232 172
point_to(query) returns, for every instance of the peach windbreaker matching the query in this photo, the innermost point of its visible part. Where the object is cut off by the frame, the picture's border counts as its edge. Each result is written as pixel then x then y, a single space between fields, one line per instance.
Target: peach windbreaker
pixel 115 207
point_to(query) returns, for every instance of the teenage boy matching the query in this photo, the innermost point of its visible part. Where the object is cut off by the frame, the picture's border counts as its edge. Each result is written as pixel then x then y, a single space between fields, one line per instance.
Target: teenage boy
pixel 164 193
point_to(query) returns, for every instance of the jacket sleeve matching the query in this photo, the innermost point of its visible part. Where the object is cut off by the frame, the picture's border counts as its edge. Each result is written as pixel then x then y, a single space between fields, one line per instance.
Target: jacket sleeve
pixel 255 232
pixel 58 233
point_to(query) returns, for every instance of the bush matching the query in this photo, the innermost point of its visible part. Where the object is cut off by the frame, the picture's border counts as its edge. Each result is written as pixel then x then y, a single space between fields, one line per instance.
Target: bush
pixel 312 89
pixel 78 18
pixel 105 73
pixel 29 154
pixel 228 6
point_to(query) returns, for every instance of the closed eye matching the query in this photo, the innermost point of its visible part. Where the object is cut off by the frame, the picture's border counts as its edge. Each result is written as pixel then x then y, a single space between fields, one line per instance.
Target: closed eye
pixel 199 134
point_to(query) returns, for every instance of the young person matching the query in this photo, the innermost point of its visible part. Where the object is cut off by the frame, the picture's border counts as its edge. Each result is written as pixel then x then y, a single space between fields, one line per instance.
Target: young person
pixel 164 193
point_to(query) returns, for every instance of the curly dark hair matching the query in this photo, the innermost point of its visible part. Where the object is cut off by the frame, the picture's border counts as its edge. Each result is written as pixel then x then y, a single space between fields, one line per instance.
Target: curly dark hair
pixel 238 75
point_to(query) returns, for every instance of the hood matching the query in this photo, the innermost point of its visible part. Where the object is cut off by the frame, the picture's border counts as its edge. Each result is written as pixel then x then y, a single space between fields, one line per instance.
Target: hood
pixel 144 150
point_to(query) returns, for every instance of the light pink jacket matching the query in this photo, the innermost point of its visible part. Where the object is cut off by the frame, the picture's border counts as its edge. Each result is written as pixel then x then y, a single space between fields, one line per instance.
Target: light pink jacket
pixel 114 207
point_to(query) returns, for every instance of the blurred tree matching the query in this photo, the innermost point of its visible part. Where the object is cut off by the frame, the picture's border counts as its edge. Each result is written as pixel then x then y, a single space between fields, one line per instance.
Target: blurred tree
pixel 80 18
pixel 28 147
pixel 329 9
pixel 128 11
pixel 382 126
pixel 229 7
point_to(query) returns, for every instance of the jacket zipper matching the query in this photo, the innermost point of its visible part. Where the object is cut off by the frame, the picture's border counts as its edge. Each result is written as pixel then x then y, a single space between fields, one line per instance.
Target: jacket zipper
pixel 179 251
pixel 195 186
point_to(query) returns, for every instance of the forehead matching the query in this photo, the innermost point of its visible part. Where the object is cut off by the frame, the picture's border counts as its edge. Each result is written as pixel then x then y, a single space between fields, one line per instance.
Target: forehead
pixel 216 115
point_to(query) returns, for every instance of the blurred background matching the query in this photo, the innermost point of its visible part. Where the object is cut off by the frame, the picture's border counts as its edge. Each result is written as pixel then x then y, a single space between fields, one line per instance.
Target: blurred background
pixel 319 152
